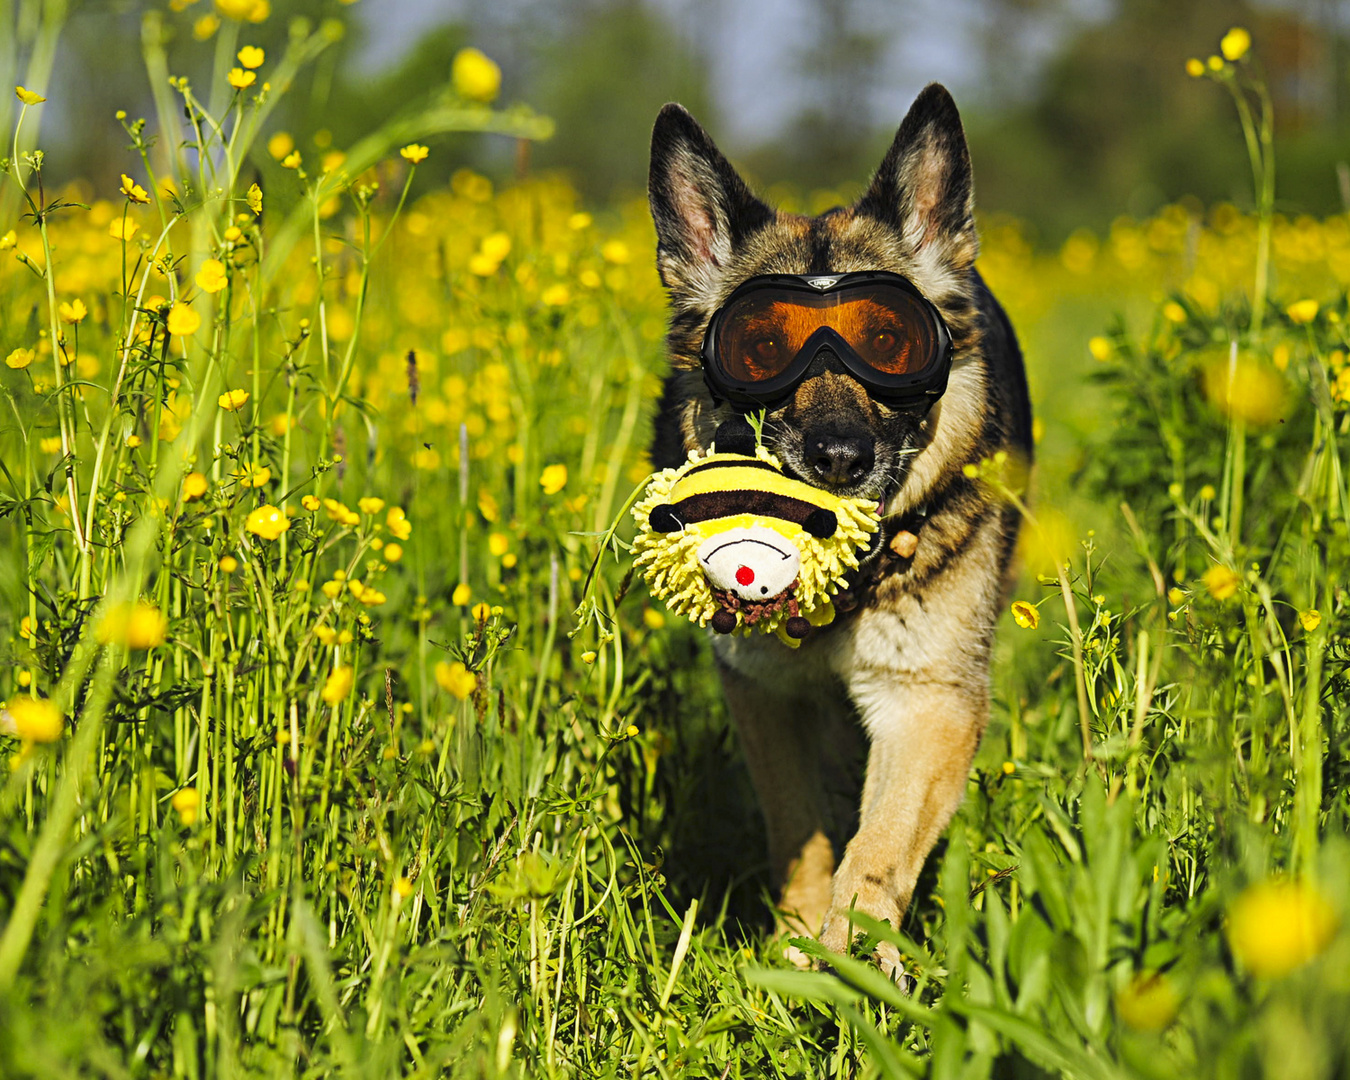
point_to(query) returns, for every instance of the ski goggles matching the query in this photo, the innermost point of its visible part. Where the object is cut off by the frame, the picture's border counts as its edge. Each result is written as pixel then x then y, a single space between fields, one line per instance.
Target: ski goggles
pixel 762 341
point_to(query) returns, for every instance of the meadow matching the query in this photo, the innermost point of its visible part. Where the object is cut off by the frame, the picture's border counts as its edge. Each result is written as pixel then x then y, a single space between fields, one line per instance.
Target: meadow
pixel 340 744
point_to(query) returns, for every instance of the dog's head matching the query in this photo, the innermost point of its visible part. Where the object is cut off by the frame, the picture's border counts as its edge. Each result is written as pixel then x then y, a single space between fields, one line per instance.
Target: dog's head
pixel 916 219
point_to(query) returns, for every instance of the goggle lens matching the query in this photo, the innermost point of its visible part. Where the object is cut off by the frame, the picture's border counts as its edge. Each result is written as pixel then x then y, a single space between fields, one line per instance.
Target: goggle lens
pixel 762 332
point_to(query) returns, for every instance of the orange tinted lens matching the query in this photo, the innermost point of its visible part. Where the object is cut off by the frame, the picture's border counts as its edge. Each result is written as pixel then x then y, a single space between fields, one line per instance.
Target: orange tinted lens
pixel 761 334
pixel 890 329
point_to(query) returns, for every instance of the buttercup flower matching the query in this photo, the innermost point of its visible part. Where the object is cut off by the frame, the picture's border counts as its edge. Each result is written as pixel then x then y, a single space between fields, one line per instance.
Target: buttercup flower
pixel 267 521
pixel 398 522
pixel 1195 68
pixel 183 321
pixel 370 505
pixel 8 240
pixel 28 97
pixel 1025 615
pixel 310 503
pixel 122 229
pixel 254 198
pixel 1235 43
pixel 228 564
pixel 194 486
pixel 73 312
pixel 211 277
pixel 34 720
pixel 461 595
pixel 19 358
pixel 414 152
pixel 553 479
pixel 133 190
pixel 291 160
pixel 233 400
pixel 241 79
pixel 250 56
pixel 1221 582
pixel 455 679
pixel 338 685
pixel 475 75
pixel 1148 1002
pixel 1310 620
pixel 1278 925
pixel 137 626
pixel 186 802
pixel 1302 311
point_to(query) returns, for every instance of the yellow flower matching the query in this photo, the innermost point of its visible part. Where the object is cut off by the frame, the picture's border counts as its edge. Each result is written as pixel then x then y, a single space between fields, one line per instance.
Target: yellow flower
pixel 325 634
pixel 1174 312
pixel 1025 615
pixel 487 505
pixel 1214 63
pixel 50 444
pixel 403 888
pixel 233 400
pixel 1310 620
pixel 280 144
pixel 398 523
pixel 1194 68
pixel 19 358
pixel 1100 348
pixel 267 521
pixel 462 594
pixel 456 679
pixel 475 75
pixel 291 160
pixel 555 295
pixel 480 611
pixel 414 152
pixel 254 475
pixel 1221 582
pixel 370 505
pixel 28 97
pixel 133 190
pixel 1303 311
pixel 588 657
pixel 250 56
pixel 186 802
pixel 1249 390
pixel 1176 597
pixel 1235 43
pixel 653 619
pixel 211 277
pixel 254 198
pixel 338 685
pixel 553 479
pixel 8 240
pixel 580 220
pixel 254 11
pixel 183 321
pixel 122 229
pixel 34 720
pixel 228 564
pixel 393 552
pixel 73 313
pixel 133 441
pixel 205 26
pixel 1278 925
pixel 498 543
pixel 194 486
pixel 1148 1002
pixel 137 626
pixel 241 79
pixel 311 503
pixel 341 512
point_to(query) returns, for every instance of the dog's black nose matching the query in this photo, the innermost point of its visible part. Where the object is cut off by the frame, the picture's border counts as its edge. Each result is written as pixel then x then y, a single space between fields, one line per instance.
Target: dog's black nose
pixel 840 459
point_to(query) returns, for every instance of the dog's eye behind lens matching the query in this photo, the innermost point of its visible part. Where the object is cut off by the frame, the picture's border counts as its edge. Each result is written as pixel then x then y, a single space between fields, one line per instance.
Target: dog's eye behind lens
pixel 765 350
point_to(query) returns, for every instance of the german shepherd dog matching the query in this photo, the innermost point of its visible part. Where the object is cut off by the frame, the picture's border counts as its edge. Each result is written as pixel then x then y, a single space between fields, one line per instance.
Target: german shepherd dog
pixel 900 679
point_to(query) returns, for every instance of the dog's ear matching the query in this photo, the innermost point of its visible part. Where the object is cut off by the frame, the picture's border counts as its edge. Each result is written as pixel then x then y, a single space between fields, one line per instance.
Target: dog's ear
pixel 701 207
pixel 923 187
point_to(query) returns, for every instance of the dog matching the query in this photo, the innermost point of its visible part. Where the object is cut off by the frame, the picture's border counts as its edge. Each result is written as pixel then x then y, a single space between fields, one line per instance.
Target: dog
pixel 901 679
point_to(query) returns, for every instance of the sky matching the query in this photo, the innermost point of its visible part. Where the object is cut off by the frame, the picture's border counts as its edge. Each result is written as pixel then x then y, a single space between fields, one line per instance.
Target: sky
pixel 748 40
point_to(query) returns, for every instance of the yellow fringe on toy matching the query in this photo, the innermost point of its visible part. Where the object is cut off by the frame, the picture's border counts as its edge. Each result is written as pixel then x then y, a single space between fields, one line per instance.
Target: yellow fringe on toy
pixel 669 559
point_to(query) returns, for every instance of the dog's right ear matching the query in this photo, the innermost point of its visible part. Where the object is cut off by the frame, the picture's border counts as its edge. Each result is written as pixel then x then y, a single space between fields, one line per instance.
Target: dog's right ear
pixel 701 206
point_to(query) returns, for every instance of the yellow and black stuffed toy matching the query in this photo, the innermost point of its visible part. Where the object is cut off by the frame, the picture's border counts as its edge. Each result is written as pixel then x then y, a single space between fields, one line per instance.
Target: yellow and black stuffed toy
pixel 727 539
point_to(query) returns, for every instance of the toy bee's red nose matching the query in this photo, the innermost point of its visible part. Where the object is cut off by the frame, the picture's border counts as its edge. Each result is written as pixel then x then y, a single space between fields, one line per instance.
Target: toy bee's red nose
pixel 744 575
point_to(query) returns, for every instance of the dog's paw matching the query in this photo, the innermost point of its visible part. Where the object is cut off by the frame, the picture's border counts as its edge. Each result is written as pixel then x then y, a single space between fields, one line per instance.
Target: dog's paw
pixel 884 954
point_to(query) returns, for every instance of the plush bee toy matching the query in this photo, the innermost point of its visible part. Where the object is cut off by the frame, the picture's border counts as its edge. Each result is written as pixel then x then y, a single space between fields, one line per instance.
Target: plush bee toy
pixel 727 539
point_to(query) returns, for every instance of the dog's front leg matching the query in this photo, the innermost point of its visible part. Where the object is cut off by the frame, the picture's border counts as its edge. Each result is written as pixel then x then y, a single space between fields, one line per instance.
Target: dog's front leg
pixel 923 734
pixel 779 733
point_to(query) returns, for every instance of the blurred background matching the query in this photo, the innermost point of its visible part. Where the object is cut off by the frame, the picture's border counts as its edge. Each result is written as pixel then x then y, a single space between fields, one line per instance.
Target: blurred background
pixel 1077 110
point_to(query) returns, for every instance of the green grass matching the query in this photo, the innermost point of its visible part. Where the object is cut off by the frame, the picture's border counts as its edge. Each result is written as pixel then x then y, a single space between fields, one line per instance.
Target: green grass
pixel 521 843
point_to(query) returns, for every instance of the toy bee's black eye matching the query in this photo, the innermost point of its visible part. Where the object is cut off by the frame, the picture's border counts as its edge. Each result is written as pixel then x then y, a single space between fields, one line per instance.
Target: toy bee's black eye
pixel 763 589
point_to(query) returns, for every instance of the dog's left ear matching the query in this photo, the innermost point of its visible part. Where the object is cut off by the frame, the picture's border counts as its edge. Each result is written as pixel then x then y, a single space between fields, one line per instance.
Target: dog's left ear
pixel 923 187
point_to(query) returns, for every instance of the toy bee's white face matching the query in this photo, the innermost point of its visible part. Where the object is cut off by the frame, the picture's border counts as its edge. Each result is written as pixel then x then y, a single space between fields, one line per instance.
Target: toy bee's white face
pixel 754 562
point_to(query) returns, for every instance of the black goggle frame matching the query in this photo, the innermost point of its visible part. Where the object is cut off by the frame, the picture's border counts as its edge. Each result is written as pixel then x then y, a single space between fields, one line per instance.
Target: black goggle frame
pixel 916 389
